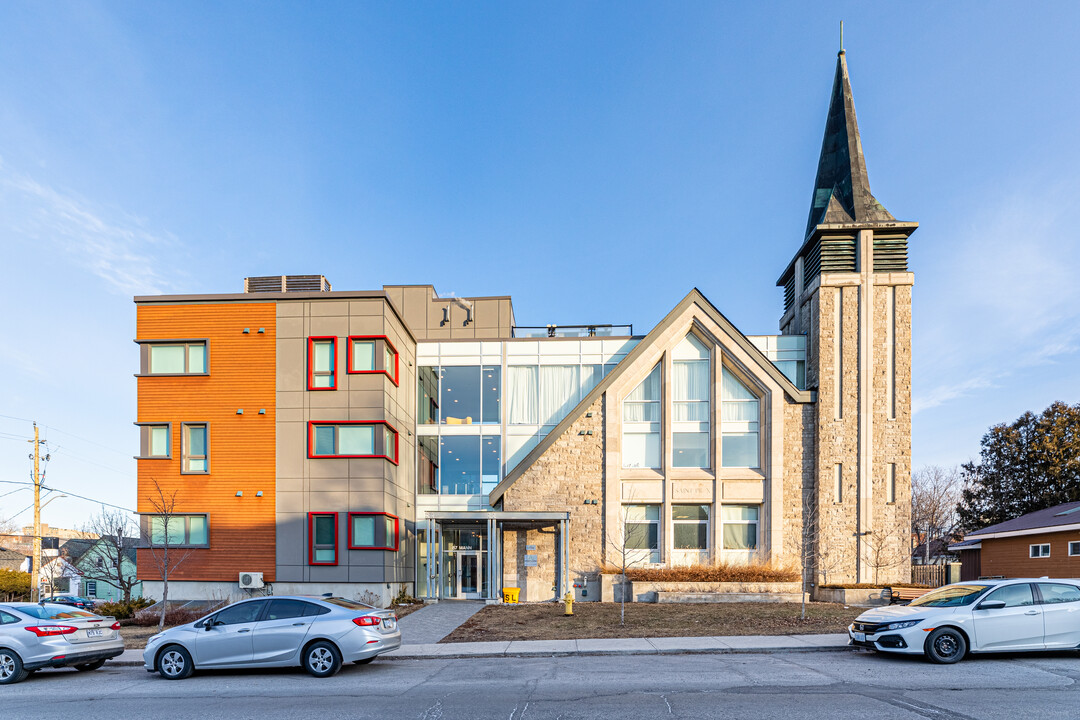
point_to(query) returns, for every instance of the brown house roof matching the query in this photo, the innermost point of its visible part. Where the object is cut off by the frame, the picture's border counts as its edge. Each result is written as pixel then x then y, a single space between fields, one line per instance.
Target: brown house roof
pixel 1058 518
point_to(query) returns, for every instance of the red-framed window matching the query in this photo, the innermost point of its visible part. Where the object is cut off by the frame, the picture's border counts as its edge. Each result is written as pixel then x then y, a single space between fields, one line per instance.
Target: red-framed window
pixel 322 363
pixel 374 531
pixel 373 354
pixel 322 538
pixel 353 439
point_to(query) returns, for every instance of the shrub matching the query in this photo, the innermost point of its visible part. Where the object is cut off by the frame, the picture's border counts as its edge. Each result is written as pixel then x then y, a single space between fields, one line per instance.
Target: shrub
pixel 175 616
pixel 872 586
pixel 724 572
pixel 122 610
pixel 403 598
pixel 14 586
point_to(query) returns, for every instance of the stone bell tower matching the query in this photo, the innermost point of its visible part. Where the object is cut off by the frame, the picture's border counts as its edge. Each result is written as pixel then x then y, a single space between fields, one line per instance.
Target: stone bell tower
pixel 848 290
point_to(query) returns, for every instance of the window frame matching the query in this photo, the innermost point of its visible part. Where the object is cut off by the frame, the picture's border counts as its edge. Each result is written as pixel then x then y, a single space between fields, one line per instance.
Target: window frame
pixel 312 424
pixel 144 356
pixel 756 523
pixel 145 520
pixel 397 532
pixel 752 389
pixel 1071 544
pixel 380 351
pixel 675 523
pixel 145 444
pixel 653 555
pixel 311 538
pixel 184 457
pixel 1031 551
pixel 332 339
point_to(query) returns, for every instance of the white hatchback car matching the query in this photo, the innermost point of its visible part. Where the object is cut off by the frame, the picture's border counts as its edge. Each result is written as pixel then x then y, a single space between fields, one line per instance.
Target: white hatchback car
pixel 316 633
pixel 981 616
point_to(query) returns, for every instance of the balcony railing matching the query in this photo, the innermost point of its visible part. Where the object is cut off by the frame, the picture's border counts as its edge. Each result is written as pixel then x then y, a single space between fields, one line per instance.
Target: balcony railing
pixel 571 331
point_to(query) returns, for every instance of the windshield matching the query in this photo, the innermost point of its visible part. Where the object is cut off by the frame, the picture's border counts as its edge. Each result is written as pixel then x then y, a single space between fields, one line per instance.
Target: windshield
pixel 950 596
pixel 55 612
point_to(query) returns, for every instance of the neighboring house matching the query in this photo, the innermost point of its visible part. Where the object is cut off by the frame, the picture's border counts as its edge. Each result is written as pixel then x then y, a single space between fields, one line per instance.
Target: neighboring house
pixel 96 566
pixel 1042 543
pixel 59 577
pixel 940 553
pixel 370 441
pixel 11 560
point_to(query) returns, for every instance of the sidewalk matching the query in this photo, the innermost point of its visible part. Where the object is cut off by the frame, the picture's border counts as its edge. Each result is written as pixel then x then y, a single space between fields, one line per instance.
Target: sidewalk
pixel 619 646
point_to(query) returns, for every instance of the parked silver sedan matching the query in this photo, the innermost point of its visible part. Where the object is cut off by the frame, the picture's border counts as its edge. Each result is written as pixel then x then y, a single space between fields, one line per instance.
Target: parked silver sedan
pixel 316 633
pixel 42 635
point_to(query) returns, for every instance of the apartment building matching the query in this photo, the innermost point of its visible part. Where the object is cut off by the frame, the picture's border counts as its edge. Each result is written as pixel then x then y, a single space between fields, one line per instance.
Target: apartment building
pixel 318 440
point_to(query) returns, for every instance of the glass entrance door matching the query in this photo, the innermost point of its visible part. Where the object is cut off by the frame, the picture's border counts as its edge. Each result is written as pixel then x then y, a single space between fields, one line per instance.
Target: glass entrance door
pixel 468 575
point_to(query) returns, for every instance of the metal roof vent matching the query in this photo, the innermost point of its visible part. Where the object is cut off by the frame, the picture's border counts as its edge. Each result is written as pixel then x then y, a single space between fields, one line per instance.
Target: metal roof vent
pixel 286 283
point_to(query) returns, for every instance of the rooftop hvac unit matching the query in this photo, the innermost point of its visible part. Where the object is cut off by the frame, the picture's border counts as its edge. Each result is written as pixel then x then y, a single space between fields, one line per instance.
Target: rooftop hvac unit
pixel 251 580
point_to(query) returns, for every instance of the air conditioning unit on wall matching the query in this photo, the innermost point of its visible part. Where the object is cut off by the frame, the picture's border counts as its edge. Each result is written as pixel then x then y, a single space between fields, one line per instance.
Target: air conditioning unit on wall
pixel 251 580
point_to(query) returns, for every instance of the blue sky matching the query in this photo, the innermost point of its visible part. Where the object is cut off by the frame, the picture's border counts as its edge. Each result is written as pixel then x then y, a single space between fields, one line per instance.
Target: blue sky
pixel 593 160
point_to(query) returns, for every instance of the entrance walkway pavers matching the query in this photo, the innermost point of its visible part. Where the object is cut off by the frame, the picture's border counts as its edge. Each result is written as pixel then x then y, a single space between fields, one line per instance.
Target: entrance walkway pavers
pixel 432 623
pixel 595 646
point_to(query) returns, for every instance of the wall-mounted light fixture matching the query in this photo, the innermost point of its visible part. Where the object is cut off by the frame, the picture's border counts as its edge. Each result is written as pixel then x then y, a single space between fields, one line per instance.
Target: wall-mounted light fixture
pixel 239 493
pixel 247 330
pixel 240 411
pixel 258 494
pixel 262 411
pixel 262 331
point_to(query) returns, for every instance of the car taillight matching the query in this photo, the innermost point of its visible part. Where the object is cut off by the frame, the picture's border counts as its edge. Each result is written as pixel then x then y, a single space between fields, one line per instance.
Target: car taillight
pixel 367 621
pixel 115 626
pixel 46 630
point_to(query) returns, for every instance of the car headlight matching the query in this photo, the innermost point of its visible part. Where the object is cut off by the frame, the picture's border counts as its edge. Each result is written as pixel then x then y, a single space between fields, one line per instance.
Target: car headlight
pixel 902 625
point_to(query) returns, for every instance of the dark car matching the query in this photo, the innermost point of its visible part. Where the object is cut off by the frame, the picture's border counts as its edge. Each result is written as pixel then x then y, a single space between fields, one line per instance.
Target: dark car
pixel 74 601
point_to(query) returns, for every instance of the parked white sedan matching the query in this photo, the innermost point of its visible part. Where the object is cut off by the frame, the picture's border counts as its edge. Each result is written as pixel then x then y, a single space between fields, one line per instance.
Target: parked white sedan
pixel 982 616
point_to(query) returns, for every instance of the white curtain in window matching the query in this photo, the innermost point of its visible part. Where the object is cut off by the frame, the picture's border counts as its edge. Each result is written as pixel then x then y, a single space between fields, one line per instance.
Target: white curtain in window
pixel 590 377
pixel 521 389
pixel 690 382
pixel 643 402
pixel 559 387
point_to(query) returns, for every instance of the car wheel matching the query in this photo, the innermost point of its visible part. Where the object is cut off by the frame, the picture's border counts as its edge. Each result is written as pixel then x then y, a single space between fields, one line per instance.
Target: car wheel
pixel 946 646
pixel 322 659
pixel 365 661
pixel 85 667
pixel 11 668
pixel 174 663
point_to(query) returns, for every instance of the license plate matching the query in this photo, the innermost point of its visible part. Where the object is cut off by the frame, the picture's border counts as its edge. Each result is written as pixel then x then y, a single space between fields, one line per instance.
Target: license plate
pixel 859 637
pixel 94 633
pixel 389 624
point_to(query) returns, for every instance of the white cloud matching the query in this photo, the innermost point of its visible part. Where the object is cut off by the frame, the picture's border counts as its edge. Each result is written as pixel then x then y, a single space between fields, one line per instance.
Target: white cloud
pixel 999 296
pixel 116 247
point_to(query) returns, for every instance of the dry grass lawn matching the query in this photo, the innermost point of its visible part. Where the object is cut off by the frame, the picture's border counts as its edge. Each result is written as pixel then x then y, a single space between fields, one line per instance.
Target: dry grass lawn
pixel 545 621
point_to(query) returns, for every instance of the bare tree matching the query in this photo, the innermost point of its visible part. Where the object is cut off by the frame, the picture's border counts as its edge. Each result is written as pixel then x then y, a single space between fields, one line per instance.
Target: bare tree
pixel 104 562
pixel 159 537
pixel 935 493
pixel 626 546
pixel 886 548
pixel 816 557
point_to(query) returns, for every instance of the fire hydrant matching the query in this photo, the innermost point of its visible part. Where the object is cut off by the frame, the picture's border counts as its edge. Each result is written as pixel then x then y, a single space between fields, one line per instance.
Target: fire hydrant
pixel 569 600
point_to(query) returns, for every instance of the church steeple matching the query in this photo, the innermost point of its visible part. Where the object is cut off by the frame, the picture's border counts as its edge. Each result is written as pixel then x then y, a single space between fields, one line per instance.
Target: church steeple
pixel 842 188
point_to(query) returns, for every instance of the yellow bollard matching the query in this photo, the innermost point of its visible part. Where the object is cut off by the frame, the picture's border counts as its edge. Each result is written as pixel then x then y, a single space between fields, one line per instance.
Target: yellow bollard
pixel 569 600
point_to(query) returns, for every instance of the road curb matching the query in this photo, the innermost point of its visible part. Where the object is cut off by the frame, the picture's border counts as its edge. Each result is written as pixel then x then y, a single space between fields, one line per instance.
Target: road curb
pixel 595 653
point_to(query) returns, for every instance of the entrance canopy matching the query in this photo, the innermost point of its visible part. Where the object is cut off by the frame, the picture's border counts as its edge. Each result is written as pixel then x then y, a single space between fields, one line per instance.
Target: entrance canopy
pixel 461 553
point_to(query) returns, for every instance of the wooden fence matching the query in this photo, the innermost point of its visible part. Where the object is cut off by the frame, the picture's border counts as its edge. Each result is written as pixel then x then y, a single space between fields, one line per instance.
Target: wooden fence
pixel 932 575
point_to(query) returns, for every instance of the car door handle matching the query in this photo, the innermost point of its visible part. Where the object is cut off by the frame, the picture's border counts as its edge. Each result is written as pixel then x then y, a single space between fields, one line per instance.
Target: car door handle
pixel 299 624
pixel 1032 612
pixel 244 630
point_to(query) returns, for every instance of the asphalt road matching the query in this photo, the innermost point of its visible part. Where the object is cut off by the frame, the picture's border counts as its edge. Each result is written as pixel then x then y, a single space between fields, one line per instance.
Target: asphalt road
pixel 820 685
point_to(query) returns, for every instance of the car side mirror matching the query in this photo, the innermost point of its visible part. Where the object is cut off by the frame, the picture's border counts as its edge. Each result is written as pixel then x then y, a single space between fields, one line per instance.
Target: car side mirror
pixel 208 624
pixel 991 605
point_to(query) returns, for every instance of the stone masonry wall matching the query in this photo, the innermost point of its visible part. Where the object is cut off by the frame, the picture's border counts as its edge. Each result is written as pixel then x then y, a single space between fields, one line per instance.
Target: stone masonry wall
pixel 561 480
pixel 799 476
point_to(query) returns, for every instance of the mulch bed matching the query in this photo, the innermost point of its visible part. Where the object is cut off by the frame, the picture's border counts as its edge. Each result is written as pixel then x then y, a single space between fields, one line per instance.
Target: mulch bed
pixel 546 621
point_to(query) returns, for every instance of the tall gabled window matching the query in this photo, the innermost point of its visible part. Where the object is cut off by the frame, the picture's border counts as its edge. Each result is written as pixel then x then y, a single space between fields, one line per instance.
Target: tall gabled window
pixel 690 404
pixel 641 424
pixel 739 410
pixel 322 539
pixel 373 354
pixel 322 363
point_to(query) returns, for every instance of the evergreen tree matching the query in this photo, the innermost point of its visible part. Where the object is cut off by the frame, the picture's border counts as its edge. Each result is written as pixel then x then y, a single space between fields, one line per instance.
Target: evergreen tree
pixel 1029 465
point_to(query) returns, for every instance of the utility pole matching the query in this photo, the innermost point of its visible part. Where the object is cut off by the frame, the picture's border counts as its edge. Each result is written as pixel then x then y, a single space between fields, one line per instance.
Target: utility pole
pixel 35 577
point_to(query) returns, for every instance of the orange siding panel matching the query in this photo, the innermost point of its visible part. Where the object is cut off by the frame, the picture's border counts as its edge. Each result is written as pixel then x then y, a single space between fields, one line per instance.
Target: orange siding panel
pixel 241 447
